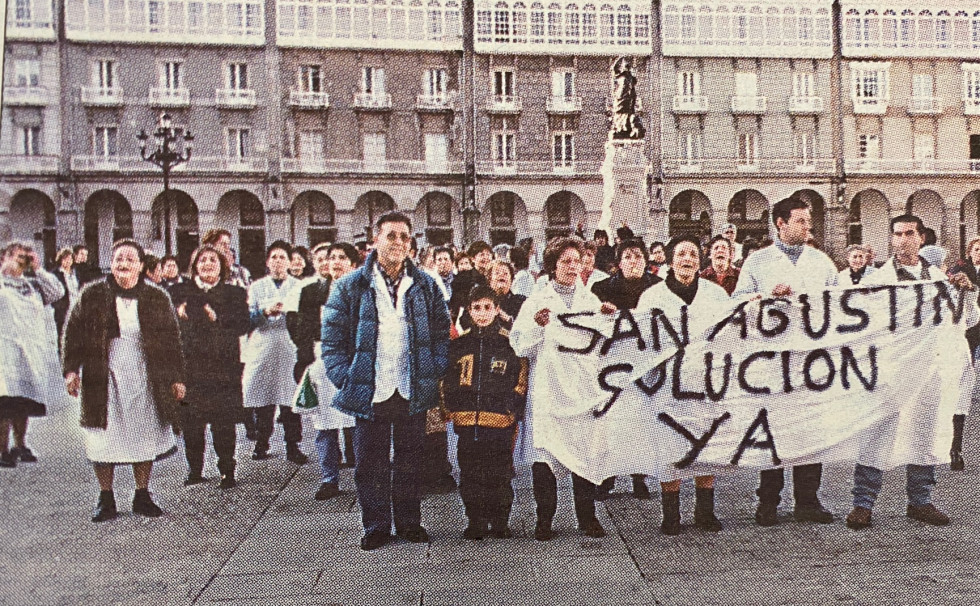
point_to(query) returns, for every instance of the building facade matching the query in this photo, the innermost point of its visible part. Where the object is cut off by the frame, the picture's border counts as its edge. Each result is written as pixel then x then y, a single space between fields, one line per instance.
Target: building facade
pixel 483 118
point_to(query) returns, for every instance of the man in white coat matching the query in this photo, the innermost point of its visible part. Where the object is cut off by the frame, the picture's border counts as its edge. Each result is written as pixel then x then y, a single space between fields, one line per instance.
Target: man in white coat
pixel 785 269
pixel 907 264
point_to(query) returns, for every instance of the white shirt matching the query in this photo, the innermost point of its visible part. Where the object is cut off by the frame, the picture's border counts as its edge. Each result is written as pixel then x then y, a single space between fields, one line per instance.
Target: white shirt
pixel 765 268
pixel 391 358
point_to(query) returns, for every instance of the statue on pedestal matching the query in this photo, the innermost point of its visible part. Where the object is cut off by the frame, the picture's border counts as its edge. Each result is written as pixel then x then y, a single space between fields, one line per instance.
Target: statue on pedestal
pixel 626 123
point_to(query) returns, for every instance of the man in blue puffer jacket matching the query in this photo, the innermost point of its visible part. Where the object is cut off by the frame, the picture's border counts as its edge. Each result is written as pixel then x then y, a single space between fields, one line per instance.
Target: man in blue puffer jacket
pixel 386 347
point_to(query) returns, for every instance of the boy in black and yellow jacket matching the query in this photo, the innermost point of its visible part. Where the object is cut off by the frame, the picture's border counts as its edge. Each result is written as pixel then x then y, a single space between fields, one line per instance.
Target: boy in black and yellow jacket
pixel 484 394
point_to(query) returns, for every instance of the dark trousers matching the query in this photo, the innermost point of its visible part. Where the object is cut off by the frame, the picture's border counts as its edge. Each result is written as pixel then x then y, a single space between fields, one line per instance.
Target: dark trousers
pixel 806 482
pixel 436 453
pixel 484 456
pixel 222 437
pixel 546 494
pixel 265 417
pixel 384 484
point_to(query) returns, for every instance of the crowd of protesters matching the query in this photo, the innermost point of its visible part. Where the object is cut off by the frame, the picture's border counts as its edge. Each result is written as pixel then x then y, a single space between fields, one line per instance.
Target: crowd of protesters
pixel 398 344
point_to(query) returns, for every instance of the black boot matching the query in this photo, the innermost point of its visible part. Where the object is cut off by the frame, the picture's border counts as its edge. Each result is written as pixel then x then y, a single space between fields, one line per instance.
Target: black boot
pixel 704 510
pixel 640 490
pixel 476 530
pixel 670 502
pixel 105 509
pixel 956 462
pixel 143 504
pixel 294 454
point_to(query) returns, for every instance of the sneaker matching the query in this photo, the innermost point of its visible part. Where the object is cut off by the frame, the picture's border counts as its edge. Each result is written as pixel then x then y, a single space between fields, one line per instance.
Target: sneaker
pixel 765 515
pixel 542 530
pixel 815 513
pixel 326 491
pixel 24 454
pixel 927 514
pixel 227 481
pixel 143 505
pixel 592 529
pixel 8 459
pixel 859 518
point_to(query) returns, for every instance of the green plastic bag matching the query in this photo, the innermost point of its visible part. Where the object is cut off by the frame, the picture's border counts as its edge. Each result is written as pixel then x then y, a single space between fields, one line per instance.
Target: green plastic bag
pixel 306 399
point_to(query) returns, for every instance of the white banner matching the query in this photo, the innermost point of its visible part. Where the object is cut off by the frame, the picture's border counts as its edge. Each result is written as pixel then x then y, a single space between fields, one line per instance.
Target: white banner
pixel 869 374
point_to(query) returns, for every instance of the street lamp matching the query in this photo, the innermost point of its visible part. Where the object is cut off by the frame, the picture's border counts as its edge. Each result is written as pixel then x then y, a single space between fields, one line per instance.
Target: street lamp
pixel 166 156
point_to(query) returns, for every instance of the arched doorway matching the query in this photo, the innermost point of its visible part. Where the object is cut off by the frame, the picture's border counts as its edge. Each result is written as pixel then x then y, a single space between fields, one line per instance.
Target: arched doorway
pixel 108 217
pixel 33 219
pixel 969 219
pixel 817 213
pixel 748 211
pixel 314 219
pixel 369 208
pixel 183 222
pixel 563 211
pixel 689 214
pixel 928 206
pixel 869 222
pixel 504 216
pixel 436 214
pixel 242 214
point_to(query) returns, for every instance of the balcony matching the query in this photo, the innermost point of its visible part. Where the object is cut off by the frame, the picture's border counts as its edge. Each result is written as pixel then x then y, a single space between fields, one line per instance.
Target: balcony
pixel 802 105
pixel 26 95
pixel 444 102
pixel 504 104
pixel 28 165
pixel 548 168
pixel 925 106
pixel 309 100
pixel 133 164
pixel 563 104
pixel 685 166
pixel 971 107
pixel 907 166
pixel 102 97
pixel 234 98
pixel 690 104
pixel 372 101
pixel 749 105
pixel 870 105
pixel 403 167
pixel 161 96
pixel 40 27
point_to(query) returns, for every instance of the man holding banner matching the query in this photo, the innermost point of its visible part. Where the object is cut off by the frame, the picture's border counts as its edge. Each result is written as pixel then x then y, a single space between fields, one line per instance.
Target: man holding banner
pixel 788 268
pixel 907 265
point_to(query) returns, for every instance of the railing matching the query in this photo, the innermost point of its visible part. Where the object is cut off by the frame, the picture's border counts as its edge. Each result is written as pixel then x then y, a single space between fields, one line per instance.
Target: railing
pixel 690 104
pixel 372 101
pixel 30 29
pixel 762 165
pixel 25 95
pixel 169 97
pixel 504 104
pixel 104 96
pixel 309 100
pixel 28 165
pixel 563 104
pixel 749 105
pixel 435 103
pixel 234 98
pixel 534 167
pixel 805 105
pixel 196 164
pixel 925 165
pixel 925 105
pixel 971 107
pixel 870 105
pixel 324 166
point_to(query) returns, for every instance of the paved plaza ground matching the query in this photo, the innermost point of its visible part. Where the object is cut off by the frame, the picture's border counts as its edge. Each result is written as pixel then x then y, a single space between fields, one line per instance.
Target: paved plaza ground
pixel 269 542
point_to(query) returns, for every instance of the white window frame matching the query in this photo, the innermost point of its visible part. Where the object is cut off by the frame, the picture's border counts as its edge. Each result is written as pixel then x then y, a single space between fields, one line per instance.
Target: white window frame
pixel 27 73
pixel 806 146
pixel 374 150
pixel 563 83
pixel 171 76
pixel 104 138
pixel 306 79
pixel 866 76
pixel 502 81
pixel 563 149
pixel 436 152
pixel 869 147
pixel 924 150
pixel 922 86
pixel 434 82
pixel 503 150
pixel 311 147
pixel 690 148
pixel 746 84
pixel 747 152
pixel 238 143
pixel 31 141
pixel 971 82
pixel 689 84
pixel 105 74
pixel 237 77
pixel 373 81
pixel 803 84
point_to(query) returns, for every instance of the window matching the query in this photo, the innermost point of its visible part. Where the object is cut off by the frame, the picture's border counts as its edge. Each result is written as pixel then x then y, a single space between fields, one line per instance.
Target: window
pixel 238 144
pixel 564 150
pixel 436 152
pixel 311 147
pixel 803 84
pixel 563 84
pixel 870 84
pixel 27 73
pixel 804 149
pixel 170 75
pixel 237 76
pixel 434 82
pixel 689 146
pixel 689 84
pixel 503 148
pixel 975 153
pixel 921 86
pixel 373 81
pixel 374 151
pixel 104 74
pixel 748 149
pixel 105 142
pixel 869 146
pixel 32 141
pixel 746 84
pixel 503 83
pixel 971 83
pixel 309 78
pixel 23 12
pixel 924 146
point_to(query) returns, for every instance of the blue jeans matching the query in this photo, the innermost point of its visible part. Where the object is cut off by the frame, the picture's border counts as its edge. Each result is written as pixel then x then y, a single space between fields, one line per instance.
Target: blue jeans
pixel 385 485
pixel 329 449
pixel 919 480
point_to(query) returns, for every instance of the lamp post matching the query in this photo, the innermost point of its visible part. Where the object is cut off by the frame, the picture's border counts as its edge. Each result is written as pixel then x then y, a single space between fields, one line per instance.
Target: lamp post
pixel 167 156
pixel 471 213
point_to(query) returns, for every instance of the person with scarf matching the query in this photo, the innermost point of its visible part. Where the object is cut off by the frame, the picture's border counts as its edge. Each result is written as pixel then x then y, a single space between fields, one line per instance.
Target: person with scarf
pixel 213 315
pixel 122 353
pixel 857 265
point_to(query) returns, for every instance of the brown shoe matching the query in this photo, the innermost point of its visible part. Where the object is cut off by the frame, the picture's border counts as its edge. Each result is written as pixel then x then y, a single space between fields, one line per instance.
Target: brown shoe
pixel 860 517
pixel 927 514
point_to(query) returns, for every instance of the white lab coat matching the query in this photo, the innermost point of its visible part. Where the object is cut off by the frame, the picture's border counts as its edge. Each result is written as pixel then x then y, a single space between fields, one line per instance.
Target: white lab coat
pixel 269 354
pixel 764 269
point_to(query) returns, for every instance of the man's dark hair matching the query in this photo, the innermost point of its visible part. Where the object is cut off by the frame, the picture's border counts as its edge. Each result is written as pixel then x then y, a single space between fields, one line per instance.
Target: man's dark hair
pixel 785 207
pixel 719 238
pixel 140 251
pixel 653 245
pixel 519 257
pixel 167 258
pixel 349 251
pixel 393 216
pixel 675 242
pixel 442 250
pixel 600 233
pixel 79 247
pixel 150 263
pixel 482 291
pixel 281 245
pixel 632 243
pixel 478 247
pixel 909 218
pixel 930 237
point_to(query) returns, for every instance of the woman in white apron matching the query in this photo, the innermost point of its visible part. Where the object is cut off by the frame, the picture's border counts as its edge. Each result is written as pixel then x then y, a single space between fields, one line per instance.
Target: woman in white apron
pixel 30 383
pixel 269 355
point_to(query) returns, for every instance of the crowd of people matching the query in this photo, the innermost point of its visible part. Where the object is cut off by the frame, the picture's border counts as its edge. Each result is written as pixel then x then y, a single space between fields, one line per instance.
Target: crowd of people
pixel 397 344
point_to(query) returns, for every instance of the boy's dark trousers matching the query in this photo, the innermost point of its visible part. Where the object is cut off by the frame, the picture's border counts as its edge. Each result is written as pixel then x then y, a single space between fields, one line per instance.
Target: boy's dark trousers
pixel 484 456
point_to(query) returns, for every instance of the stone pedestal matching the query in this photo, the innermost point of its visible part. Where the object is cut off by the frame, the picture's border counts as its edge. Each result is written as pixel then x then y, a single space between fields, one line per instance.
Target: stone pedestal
pixel 624 192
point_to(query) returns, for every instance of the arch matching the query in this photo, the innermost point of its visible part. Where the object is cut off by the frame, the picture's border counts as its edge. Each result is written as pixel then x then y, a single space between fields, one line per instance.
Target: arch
pixel 313 219
pixel 368 208
pixel 869 221
pixel 183 224
pixel 748 210
pixel 108 217
pixel 689 214
pixel 562 212
pixel 969 219
pixel 436 216
pixel 504 218
pixel 817 213
pixel 33 219
pixel 928 206
pixel 242 214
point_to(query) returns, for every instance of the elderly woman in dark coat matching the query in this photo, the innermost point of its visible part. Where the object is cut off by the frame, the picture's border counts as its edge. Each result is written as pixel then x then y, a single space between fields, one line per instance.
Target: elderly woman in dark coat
pixel 213 315
pixel 121 350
